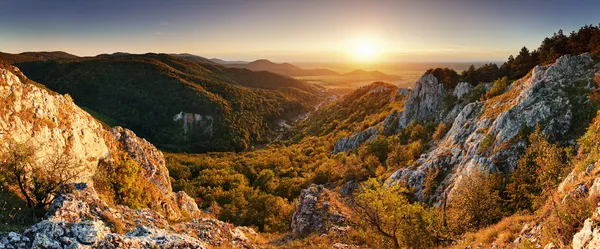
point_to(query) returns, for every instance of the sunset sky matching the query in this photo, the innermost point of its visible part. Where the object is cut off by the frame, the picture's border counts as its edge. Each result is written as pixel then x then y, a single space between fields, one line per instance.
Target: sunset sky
pixel 293 31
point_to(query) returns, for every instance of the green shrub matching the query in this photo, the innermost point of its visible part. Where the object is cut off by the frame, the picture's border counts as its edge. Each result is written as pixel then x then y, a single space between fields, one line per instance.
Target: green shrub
pixel 498 88
pixel 487 142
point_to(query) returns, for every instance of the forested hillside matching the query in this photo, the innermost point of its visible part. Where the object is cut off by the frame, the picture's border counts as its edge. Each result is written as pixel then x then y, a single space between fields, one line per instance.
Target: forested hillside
pixel 178 104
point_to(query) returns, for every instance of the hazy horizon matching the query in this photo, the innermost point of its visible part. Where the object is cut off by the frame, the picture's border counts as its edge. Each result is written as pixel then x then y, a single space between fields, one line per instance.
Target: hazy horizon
pixel 326 31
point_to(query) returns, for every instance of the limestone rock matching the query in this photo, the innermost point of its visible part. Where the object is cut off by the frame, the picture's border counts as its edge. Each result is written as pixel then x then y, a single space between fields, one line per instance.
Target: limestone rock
pixel 316 211
pixel 423 101
pixel 50 122
pixel 146 155
pixel 462 89
pixel 80 219
pixel 349 143
pixel 539 98
pixel 588 237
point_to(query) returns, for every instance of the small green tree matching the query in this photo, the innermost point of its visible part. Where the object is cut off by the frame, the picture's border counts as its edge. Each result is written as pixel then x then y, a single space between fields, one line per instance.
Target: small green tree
pixel 498 88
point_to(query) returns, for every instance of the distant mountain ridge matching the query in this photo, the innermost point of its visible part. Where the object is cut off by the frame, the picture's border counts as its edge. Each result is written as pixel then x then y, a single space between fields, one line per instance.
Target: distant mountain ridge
pixel 282 68
pixel 375 74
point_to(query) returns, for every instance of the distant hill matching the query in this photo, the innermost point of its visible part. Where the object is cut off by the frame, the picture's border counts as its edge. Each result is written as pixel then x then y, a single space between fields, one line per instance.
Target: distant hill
pixel 282 68
pixel 36 56
pixel 224 62
pixel 194 58
pixel 373 74
pixel 176 103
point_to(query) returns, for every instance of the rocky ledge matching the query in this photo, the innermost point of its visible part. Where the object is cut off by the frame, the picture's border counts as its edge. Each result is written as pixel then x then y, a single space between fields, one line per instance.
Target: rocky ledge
pixel 317 211
pixel 80 219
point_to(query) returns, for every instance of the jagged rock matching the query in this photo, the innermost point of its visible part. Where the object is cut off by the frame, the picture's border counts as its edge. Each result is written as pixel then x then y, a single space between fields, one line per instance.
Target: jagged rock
pixel 403 91
pixel 349 143
pixel 462 89
pixel 349 187
pixel 51 122
pixel 146 155
pixel 423 101
pixel 79 220
pixel 536 99
pixel 588 237
pixel 530 232
pixel 344 246
pixel 316 211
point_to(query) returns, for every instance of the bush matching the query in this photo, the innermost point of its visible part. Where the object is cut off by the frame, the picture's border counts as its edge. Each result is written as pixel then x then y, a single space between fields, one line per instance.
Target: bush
pixel 476 202
pixel 386 213
pixel 539 171
pixel 121 181
pixel 498 88
pixel 441 130
pixel 487 142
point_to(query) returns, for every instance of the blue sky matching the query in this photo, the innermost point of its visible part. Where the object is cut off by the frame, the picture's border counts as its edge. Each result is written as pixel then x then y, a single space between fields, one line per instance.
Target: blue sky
pixel 283 30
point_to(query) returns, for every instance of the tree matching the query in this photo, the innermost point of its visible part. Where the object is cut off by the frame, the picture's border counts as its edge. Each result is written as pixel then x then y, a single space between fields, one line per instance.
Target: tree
pixel 387 212
pixel 522 64
pixel 539 170
pixel 476 202
pixel 37 180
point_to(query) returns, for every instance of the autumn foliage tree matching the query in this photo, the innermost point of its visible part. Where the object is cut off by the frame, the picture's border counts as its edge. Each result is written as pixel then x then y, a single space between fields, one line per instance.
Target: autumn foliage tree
pixel 38 180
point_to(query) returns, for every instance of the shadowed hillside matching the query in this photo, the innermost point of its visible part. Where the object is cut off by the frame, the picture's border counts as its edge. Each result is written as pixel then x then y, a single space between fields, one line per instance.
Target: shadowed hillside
pixel 178 104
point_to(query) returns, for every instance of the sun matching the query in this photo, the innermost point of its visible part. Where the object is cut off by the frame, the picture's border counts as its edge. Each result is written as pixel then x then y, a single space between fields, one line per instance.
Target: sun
pixel 365 51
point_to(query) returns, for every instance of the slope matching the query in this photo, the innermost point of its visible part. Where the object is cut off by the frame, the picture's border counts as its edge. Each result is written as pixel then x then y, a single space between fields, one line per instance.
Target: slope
pixel 178 104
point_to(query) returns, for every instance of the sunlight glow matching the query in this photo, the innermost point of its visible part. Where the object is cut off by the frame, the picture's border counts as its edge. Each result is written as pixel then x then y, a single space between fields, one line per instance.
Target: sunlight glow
pixel 365 51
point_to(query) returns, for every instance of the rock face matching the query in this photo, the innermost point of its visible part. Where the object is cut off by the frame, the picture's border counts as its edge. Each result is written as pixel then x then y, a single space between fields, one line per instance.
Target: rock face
pixel 462 89
pixel 50 122
pixel 589 236
pixel 146 155
pixel 193 121
pixel 423 101
pixel 316 211
pixel 349 143
pixel 80 219
pixel 539 98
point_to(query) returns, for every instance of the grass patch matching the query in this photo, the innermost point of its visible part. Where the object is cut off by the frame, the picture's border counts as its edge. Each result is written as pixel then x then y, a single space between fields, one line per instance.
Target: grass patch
pixel 105 120
pixel 15 216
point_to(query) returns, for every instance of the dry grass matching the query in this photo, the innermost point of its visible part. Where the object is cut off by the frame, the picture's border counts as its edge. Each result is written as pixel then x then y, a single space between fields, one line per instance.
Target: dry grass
pixel 502 233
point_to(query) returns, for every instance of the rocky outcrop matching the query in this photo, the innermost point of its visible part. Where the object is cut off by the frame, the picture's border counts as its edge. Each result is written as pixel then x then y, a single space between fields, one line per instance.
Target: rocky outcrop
pixel 146 155
pixel 80 219
pixel 424 101
pixel 352 142
pixel 49 122
pixel 483 135
pixel 462 89
pixel 53 124
pixel 589 236
pixel 195 121
pixel 317 211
